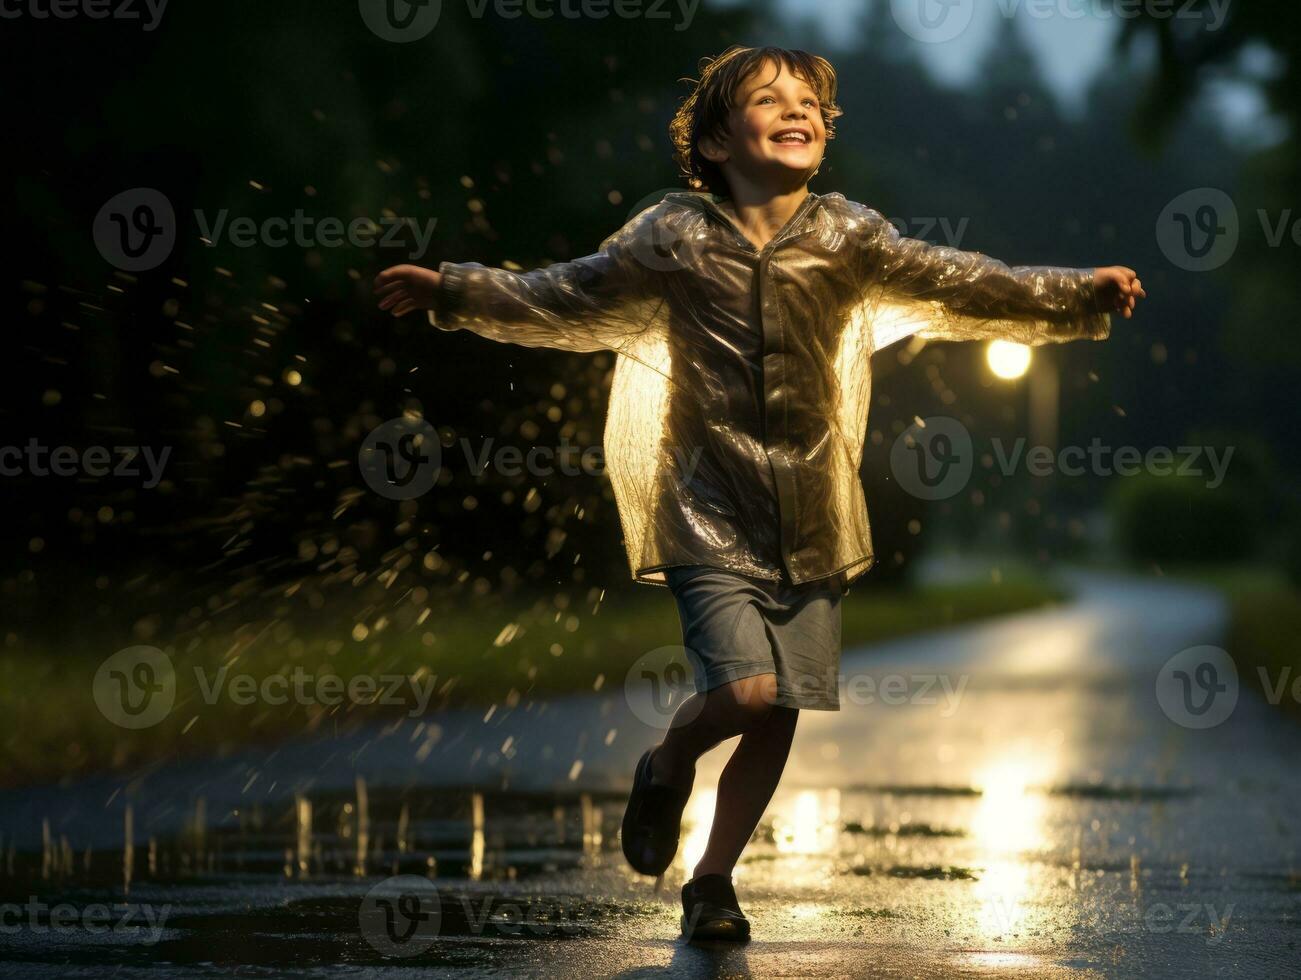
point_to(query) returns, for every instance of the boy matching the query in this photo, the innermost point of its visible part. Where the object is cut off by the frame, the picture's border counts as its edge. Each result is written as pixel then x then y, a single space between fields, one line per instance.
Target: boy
pixel 745 315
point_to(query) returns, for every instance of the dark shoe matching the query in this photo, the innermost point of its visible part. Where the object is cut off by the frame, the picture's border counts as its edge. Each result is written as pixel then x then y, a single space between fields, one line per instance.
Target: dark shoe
pixel 652 821
pixel 710 910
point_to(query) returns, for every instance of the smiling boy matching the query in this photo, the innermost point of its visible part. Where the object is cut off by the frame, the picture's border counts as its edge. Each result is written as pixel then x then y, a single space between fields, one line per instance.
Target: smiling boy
pixel 745 315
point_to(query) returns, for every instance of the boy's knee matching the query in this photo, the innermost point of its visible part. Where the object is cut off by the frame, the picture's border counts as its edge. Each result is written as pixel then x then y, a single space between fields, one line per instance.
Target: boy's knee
pixel 753 699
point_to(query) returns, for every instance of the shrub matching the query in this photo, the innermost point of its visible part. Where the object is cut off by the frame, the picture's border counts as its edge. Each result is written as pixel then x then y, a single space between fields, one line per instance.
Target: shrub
pixel 1179 518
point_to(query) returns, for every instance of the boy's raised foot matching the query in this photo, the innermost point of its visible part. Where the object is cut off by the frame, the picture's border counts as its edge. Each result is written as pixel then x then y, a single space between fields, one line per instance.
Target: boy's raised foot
pixel 652 821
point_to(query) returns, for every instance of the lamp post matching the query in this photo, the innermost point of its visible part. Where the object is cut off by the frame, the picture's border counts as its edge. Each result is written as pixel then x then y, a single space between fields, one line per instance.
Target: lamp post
pixel 1011 362
pixel 1045 397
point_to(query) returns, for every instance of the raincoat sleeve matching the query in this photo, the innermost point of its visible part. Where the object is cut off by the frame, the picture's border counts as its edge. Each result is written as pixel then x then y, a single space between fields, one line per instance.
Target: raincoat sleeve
pixel 603 301
pixel 941 293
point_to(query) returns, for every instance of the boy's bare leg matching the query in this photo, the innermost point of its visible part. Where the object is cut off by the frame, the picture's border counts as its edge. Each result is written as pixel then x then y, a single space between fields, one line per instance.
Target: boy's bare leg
pixel 745 788
pixel 750 778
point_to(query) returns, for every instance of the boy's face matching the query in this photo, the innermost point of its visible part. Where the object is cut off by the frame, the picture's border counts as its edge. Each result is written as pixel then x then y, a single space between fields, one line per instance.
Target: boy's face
pixel 776 134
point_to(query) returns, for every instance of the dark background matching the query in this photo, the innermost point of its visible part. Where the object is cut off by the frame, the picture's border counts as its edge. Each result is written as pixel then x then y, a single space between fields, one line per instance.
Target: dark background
pixel 529 141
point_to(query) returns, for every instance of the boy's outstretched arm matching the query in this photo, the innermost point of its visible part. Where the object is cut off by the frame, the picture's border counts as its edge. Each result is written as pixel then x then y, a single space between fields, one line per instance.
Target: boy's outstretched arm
pixel 943 293
pixel 602 301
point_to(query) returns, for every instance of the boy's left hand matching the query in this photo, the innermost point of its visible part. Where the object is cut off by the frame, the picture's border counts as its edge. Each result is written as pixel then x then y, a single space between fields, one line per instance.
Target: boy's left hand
pixel 1118 288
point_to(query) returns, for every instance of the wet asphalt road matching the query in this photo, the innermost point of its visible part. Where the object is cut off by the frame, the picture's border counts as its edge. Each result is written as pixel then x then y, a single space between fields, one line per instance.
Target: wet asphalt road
pixel 1009 799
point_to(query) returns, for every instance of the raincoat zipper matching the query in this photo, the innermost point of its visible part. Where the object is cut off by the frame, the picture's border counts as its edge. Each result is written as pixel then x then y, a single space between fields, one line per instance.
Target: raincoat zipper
pixel 786 504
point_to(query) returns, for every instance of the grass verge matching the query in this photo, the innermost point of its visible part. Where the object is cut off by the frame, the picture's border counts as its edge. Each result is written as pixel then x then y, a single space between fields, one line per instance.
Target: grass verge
pixel 51 727
pixel 1264 637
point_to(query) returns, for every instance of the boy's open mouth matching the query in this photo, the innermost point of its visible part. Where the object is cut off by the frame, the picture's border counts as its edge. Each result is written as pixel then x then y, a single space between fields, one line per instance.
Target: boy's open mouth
pixel 797 136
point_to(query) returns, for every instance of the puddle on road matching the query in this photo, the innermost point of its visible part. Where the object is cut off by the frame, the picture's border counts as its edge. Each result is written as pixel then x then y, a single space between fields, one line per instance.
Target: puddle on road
pixel 302 881
pixel 903 830
pixel 457 834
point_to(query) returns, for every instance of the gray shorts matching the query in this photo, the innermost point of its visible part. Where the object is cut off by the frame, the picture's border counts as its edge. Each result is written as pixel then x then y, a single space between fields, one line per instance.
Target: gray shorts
pixel 735 626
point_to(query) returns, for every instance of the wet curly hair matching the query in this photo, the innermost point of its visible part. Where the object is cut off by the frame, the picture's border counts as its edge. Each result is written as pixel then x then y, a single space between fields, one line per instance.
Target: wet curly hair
pixel 705 110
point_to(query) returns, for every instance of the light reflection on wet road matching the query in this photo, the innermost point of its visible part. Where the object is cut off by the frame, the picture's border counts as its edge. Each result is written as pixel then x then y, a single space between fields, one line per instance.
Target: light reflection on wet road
pixel 1013 803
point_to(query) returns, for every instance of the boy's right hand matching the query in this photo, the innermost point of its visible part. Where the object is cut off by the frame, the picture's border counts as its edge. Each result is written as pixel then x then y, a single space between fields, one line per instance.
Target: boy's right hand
pixel 405 288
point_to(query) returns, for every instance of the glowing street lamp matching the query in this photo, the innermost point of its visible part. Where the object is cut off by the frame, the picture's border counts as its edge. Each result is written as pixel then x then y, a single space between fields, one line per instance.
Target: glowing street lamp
pixel 1008 360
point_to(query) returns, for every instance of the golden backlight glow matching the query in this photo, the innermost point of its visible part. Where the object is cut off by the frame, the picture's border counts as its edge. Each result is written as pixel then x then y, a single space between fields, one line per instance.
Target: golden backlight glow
pixel 697 819
pixel 1007 360
pixel 1008 819
pixel 1008 823
pixel 806 822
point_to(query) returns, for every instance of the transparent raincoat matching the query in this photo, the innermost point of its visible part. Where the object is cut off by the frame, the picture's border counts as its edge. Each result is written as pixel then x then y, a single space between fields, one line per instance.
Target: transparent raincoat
pixel 739 402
